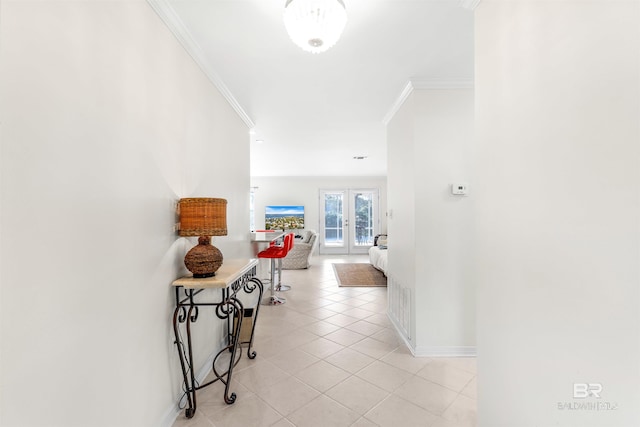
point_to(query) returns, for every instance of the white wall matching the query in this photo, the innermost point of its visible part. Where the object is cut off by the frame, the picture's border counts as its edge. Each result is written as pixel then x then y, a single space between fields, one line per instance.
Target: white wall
pixel 401 170
pixel 106 122
pixel 306 191
pixel 430 140
pixel 445 291
pixel 558 203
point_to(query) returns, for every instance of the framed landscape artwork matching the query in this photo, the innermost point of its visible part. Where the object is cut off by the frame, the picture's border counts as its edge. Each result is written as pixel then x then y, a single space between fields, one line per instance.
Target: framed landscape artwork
pixel 284 217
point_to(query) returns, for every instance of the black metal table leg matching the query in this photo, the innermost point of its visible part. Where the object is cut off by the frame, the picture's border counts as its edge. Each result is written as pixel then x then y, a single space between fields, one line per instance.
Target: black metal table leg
pixel 182 315
pixel 227 308
pixel 250 286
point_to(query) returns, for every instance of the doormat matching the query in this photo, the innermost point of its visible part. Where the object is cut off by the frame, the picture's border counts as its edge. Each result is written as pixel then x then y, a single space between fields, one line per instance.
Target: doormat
pixel 359 274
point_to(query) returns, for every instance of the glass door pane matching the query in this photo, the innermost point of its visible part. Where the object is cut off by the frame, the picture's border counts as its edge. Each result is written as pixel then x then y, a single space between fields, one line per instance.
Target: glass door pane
pixel 364 217
pixel 333 222
pixel 333 219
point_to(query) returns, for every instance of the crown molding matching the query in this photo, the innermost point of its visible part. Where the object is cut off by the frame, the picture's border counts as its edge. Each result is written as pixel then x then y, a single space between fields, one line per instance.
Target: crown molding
pixel 469 4
pixel 408 88
pixel 422 84
pixel 171 19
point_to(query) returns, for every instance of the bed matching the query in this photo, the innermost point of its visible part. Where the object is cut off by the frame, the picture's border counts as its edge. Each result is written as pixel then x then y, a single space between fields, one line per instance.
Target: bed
pixel 378 253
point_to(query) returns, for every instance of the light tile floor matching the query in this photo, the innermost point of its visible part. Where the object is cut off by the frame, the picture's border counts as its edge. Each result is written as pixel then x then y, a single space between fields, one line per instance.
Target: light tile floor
pixel 329 357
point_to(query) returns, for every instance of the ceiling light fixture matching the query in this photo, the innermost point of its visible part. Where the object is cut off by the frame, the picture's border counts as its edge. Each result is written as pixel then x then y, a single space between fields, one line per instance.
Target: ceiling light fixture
pixel 315 25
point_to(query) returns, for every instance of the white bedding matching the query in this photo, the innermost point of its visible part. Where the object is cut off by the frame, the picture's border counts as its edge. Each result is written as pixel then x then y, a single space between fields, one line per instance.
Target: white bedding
pixel 378 258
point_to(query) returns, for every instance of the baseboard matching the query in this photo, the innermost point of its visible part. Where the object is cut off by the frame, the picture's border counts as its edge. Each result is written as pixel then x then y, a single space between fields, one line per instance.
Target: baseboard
pixel 174 411
pixel 437 351
pixel 445 351
pixel 170 416
pixel 401 334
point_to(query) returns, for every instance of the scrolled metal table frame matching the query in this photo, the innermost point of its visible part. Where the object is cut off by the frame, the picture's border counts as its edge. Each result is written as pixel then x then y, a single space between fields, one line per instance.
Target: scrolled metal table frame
pixel 228 308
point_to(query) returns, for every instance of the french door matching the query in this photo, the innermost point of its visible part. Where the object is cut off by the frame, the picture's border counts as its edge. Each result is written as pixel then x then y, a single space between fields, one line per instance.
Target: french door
pixel 348 220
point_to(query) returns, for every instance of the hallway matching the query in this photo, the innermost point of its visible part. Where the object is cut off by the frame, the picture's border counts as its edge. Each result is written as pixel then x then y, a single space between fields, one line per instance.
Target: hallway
pixel 329 357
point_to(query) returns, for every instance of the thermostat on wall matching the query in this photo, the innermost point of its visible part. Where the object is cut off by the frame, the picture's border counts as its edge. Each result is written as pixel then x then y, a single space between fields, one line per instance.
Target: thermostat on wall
pixel 459 189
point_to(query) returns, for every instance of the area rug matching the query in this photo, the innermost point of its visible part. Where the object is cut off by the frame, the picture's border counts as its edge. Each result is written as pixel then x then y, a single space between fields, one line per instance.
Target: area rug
pixel 359 274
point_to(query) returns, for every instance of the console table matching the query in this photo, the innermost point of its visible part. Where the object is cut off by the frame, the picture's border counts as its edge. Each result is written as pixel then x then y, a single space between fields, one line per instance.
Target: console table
pixel 233 276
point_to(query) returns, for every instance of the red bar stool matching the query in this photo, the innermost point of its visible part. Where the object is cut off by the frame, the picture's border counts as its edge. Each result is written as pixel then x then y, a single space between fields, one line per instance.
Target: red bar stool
pixel 273 253
pixel 288 244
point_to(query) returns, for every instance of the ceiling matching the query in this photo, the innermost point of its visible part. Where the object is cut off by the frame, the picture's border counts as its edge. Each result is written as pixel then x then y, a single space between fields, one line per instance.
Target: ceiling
pixel 314 113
